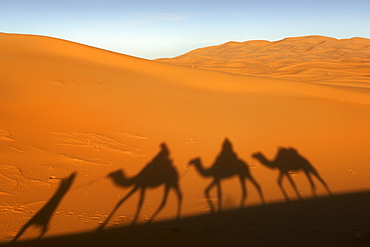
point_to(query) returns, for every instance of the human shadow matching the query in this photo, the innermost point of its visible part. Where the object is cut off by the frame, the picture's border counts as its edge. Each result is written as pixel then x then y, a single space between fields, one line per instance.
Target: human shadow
pixel 43 216
pixel 159 171
pixel 289 160
pixel 226 165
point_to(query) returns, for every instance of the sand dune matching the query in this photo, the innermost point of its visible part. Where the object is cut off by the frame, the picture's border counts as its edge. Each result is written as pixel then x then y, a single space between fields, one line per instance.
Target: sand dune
pixel 316 59
pixel 69 108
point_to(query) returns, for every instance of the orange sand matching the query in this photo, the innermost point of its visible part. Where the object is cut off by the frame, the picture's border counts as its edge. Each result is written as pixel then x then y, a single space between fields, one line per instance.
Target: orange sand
pixel 68 108
pixel 315 59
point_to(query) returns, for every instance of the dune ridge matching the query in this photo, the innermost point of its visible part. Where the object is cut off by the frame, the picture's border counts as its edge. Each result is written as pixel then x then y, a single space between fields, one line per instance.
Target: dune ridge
pixel 44 48
pixel 68 108
pixel 316 59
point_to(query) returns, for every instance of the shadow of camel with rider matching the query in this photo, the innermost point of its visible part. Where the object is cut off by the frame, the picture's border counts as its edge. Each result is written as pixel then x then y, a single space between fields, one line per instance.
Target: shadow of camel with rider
pixel 159 171
pixel 226 165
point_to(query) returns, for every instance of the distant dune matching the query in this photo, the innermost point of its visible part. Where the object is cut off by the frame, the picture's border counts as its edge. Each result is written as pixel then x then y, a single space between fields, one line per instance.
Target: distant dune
pixel 316 59
pixel 89 140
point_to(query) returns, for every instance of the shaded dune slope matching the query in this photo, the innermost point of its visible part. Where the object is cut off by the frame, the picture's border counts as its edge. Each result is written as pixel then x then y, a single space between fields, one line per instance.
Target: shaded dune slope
pixel 334 221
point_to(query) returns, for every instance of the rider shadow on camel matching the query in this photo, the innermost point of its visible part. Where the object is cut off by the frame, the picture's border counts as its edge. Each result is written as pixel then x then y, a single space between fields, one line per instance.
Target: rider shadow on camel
pixel 226 165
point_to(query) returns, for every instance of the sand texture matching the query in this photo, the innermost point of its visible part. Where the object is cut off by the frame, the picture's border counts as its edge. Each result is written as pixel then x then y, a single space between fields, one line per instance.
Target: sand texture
pixel 315 59
pixel 99 148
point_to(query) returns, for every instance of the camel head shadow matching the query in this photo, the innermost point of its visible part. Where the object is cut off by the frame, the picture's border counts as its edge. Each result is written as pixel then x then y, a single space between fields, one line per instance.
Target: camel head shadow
pixel 159 171
pixel 289 160
pixel 226 165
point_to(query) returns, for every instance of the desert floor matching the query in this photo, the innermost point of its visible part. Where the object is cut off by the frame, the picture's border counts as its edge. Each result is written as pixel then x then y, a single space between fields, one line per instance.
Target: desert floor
pixel 81 128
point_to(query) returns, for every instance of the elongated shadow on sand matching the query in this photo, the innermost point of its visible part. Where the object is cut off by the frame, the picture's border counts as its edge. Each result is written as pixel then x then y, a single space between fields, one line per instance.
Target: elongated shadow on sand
pixel 43 216
pixel 324 221
pixel 289 160
pixel 160 171
pixel 226 165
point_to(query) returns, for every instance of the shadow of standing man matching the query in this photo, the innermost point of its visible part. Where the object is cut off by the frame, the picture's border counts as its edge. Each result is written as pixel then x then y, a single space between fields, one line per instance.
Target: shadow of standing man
pixel 43 216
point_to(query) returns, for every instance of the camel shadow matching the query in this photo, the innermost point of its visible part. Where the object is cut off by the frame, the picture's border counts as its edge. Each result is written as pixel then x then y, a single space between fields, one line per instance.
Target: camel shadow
pixel 289 160
pixel 43 216
pixel 226 165
pixel 159 171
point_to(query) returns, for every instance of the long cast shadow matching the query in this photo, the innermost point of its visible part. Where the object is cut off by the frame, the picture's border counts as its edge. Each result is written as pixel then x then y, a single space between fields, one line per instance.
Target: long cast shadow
pixel 339 220
pixel 289 160
pixel 227 164
pixel 43 216
pixel 160 171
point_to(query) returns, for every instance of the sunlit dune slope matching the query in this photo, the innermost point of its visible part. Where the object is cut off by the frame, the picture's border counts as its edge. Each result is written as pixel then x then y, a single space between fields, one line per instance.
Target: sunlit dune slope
pixel 315 59
pixel 80 113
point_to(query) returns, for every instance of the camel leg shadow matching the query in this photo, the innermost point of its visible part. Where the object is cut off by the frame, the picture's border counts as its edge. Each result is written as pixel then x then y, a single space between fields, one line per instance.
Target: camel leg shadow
pixel 244 192
pixel 164 201
pixel 140 204
pixel 313 186
pixel 294 186
pixel 208 197
pixel 179 199
pixel 258 188
pixel 117 206
pixel 280 180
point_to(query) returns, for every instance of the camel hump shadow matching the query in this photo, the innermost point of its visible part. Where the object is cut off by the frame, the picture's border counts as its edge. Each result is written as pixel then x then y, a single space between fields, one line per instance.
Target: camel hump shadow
pixel 43 216
pixel 159 171
pixel 288 160
pixel 227 164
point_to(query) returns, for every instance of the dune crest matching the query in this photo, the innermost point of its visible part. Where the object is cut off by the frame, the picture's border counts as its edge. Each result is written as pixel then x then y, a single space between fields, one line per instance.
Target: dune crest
pixel 315 59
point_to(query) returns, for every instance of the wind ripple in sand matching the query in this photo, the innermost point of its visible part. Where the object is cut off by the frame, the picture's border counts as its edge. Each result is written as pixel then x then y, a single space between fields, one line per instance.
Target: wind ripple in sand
pixel 98 142
pixel 12 175
pixel 89 161
pixel 6 135
pixel 126 134
pixel 21 208
pixel 12 179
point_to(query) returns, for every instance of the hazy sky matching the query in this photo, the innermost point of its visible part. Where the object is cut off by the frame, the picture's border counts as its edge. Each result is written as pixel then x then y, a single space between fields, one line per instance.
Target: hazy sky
pixel 167 28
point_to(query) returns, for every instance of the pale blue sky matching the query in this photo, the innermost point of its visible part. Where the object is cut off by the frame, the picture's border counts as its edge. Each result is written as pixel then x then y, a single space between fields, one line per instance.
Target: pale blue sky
pixel 166 28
